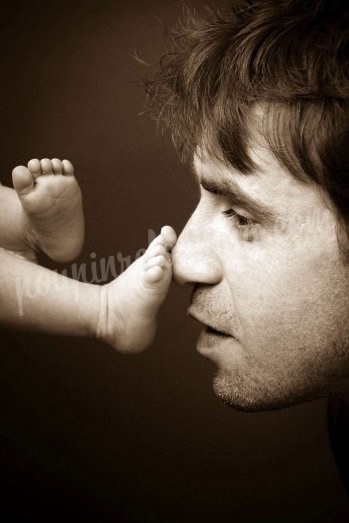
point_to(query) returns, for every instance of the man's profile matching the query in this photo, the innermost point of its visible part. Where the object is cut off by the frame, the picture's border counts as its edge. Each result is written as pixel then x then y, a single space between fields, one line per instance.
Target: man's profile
pixel 86 430
pixel 257 98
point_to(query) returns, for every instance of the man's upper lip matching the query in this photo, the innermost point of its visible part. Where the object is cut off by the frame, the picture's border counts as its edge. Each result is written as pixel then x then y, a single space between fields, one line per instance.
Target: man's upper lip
pixel 201 319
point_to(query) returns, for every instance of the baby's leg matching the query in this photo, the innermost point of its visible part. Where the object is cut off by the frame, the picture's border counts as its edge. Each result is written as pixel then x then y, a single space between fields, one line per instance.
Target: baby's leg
pixel 52 215
pixel 130 303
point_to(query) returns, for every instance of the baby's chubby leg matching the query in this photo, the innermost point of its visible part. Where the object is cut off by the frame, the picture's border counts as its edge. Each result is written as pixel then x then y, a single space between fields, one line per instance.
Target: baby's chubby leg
pixel 129 304
pixel 52 216
pixel 121 313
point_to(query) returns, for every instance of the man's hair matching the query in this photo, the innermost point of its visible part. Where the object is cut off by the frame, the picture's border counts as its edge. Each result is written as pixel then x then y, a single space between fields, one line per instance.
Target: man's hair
pixel 287 58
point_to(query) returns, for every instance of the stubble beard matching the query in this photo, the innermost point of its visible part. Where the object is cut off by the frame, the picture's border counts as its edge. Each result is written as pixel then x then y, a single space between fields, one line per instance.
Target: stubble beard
pixel 266 393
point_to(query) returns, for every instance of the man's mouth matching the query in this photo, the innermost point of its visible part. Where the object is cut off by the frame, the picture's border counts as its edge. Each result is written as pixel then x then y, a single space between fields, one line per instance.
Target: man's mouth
pixel 211 330
pixel 215 330
pixel 214 337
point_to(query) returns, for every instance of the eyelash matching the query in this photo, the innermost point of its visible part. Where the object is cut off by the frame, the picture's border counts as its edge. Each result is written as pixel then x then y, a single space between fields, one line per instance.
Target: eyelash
pixel 241 222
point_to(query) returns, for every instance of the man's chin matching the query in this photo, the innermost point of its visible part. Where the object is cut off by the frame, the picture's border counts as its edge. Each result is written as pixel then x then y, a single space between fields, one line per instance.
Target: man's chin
pixel 252 397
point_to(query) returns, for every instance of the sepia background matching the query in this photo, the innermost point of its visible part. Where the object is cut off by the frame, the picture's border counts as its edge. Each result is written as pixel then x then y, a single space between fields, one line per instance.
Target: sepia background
pixel 88 432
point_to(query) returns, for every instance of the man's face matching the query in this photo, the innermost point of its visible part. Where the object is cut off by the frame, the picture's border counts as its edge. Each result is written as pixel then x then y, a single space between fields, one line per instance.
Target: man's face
pixel 261 251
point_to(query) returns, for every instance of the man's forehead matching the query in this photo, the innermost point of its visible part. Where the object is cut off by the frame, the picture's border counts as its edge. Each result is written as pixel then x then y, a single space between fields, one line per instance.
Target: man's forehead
pixel 208 168
pixel 206 164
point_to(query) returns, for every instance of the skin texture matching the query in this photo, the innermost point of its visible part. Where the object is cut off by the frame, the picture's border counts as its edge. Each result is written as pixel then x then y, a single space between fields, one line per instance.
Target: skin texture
pixel 278 288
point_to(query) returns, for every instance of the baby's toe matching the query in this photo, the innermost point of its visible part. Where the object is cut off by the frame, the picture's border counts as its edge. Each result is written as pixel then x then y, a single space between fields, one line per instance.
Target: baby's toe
pixel 156 268
pixel 22 179
pixel 68 167
pixel 154 274
pixel 46 166
pixel 156 261
pixel 35 167
pixel 57 166
pixel 169 236
pixel 155 250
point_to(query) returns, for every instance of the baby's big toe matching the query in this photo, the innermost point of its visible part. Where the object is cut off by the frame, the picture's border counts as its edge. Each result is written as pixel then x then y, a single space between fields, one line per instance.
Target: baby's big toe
pixel 169 236
pixel 22 179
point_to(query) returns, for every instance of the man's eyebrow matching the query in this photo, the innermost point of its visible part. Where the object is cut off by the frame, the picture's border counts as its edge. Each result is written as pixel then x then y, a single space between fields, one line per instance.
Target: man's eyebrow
pixel 237 196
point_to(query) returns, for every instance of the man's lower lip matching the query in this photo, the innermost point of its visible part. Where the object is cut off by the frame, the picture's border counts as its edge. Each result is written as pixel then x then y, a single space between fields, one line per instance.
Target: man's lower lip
pixel 210 338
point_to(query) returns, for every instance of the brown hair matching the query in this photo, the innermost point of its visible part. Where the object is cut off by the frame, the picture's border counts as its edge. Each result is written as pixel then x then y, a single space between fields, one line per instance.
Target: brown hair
pixel 290 57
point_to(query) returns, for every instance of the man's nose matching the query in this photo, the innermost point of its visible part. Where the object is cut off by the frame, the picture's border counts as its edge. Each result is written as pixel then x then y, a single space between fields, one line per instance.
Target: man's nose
pixel 195 258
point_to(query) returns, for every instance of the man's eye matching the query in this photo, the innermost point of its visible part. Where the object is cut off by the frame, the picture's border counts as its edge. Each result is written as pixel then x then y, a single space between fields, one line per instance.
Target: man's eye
pixel 239 220
pixel 246 226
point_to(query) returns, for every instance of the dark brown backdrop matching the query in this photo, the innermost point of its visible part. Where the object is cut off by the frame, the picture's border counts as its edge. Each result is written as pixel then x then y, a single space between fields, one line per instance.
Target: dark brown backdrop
pixel 85 430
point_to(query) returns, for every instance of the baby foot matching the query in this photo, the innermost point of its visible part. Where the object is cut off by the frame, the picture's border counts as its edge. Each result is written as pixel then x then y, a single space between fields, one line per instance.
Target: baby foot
pixel 53 219
pixel 130 303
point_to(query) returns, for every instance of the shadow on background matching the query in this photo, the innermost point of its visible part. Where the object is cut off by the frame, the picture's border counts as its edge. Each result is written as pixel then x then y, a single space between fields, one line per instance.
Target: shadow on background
pixel 84 430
